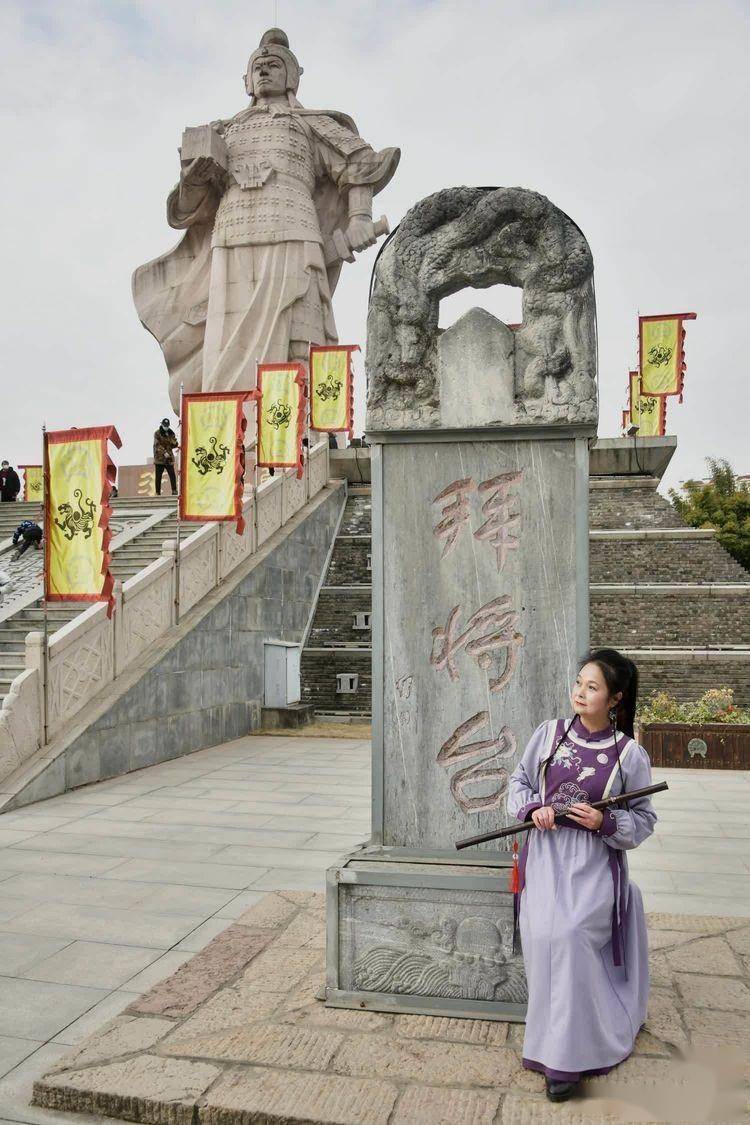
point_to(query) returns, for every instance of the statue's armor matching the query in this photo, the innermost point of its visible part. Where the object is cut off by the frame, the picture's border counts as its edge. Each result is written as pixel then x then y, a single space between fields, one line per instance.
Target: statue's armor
pixel 270 159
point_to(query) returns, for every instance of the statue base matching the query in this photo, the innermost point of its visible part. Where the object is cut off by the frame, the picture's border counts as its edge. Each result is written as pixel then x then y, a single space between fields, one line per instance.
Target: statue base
pixel 424 933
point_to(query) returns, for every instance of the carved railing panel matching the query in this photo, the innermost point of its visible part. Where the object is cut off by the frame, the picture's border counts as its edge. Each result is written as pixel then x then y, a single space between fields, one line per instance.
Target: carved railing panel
pixel 198 571
pixel 293 494
pixel 146 612
pixel 269 508
pixel 80 664
pixel 317 469
pixel 235 548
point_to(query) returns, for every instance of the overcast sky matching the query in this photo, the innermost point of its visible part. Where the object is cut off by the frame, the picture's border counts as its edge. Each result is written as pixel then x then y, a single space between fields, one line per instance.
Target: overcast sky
pixel 630 116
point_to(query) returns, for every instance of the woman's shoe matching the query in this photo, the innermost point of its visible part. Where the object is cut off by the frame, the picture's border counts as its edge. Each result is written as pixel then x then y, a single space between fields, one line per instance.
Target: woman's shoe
pixel 559 1091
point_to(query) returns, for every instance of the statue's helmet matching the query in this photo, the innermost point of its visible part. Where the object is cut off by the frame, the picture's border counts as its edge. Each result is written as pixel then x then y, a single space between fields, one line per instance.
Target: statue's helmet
pixel 275 42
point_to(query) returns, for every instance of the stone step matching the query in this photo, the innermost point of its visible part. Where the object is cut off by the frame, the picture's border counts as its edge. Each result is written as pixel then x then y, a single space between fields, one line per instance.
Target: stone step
pixel 342 614
pixel 349 562
pixel 661 616
pixel 670 560
pixel 325 672
pixel 688 673
pixel 357 519
pixel 613 506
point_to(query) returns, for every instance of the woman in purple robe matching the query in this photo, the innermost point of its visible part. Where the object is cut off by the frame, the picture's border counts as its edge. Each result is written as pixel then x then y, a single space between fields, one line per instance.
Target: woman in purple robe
pixel 582 922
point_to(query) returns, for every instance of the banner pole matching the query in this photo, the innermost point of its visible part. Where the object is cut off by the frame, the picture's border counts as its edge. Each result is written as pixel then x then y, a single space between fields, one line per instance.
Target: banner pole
pixel 177 538
pixel 45 549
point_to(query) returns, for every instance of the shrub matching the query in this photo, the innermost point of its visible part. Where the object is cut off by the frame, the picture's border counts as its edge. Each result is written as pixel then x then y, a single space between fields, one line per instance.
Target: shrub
pixel 714 706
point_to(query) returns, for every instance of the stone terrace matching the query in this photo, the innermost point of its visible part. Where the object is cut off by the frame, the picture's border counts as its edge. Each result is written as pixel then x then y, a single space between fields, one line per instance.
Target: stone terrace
pixel 107 890
pixel 237 1035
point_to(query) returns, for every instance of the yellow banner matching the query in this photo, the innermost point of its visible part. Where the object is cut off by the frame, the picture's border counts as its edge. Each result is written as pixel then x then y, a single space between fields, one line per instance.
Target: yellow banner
pixel 33 482
pixel 74 549
pixel 661 355
pixel 331 388
pixel 208 458
pixel 280 414
pixel 648 412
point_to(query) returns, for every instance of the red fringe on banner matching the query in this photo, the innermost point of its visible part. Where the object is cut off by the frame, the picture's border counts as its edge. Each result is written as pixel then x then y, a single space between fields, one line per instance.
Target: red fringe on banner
pixel 109 474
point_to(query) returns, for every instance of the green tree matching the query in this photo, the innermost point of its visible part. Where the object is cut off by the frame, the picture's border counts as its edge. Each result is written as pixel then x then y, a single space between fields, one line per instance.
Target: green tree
pixel 722 503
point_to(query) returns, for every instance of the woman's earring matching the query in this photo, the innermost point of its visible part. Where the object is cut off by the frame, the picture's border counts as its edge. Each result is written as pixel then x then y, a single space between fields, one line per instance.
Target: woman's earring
pixel 612 715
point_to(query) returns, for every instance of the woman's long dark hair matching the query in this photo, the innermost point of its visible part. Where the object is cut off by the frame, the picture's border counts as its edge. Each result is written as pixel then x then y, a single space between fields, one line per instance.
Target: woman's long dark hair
pixel 620 675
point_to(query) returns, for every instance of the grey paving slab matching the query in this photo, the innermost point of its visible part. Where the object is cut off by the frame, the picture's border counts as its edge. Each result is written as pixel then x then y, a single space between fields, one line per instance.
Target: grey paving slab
pixel 9 836
pixel 100 923
pixel 12 907
pixel 19 951
pixel 282 808
pixel 23 857
pixel 240 903
pixel 124 848
pixel 231 873
pixel 180 898
pixel 674 903
pixel 33 1009
pixel 14 1050
pixel 278 857
pixel 74 889
pixel 91 964
pixel 291 879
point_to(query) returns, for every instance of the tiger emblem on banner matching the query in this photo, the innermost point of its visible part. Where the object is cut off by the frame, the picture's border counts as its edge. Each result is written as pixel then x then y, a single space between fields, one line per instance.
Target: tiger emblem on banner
pixel 211 460
pixel 75 522
pixel 279 414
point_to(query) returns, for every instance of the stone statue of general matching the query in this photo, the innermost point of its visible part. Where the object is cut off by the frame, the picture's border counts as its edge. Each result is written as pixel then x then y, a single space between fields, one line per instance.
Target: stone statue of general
pixel 271 201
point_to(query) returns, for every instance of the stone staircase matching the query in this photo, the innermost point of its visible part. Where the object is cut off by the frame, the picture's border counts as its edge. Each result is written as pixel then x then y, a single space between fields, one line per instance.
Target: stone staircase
pixel 337 656
pixel 127 560
pixel 667 594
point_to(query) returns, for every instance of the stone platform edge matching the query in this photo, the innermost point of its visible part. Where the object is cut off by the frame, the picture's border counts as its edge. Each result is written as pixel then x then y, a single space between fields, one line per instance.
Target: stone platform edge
pixel 237 1036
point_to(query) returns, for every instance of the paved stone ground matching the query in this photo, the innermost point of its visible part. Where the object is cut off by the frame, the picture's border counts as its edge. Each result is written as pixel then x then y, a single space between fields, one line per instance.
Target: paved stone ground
pixel 236 1035
pixel 108 890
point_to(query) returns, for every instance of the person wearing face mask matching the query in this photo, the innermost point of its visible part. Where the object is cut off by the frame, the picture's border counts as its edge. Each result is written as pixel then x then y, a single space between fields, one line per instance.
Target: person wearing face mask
pixel 10 484
pixel 165 443
pixel 581 920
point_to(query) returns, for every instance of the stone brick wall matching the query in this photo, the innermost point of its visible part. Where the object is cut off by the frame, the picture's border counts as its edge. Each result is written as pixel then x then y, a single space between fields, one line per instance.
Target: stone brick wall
pixel 688 679
pixel 207 687
pixel 334 617
pixel 319 671
pixel 618 507
pixel 663 560
pixel 349 563
pixel 683 620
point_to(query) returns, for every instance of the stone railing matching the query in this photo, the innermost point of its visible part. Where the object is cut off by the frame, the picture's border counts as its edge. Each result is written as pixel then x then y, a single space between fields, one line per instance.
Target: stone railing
pixel 92 650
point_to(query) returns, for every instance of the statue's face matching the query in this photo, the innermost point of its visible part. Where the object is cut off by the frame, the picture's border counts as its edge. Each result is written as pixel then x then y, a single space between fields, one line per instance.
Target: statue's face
pixel 268 76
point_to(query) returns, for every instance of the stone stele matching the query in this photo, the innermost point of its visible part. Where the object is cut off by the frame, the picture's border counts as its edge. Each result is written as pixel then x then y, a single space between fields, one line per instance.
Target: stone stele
pixel 272 201
pixel 480 437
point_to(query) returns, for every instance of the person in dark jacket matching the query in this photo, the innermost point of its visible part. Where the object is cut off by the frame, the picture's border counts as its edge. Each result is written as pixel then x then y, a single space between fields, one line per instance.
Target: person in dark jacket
pixel 165 442
pixel 26 535
pixel 10 484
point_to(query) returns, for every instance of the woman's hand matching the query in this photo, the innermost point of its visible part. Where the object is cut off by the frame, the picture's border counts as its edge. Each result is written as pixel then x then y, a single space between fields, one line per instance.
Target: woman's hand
pixel 544 818
pixel 586 816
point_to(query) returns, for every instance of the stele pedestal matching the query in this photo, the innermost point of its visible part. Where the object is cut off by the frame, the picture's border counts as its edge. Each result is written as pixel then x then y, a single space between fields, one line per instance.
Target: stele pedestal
pixel 480 438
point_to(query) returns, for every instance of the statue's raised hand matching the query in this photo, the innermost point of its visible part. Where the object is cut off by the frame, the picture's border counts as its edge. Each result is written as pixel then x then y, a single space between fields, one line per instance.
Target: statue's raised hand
pixel 360 232
pixel 200 172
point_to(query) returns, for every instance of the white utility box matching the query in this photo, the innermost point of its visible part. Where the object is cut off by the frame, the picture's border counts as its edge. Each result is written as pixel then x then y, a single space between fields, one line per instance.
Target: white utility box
pixel 281 666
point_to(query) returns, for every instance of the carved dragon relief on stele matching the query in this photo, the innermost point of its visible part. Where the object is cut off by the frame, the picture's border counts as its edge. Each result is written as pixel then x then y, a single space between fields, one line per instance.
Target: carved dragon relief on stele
pixel 478 237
